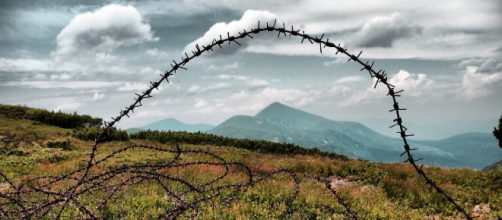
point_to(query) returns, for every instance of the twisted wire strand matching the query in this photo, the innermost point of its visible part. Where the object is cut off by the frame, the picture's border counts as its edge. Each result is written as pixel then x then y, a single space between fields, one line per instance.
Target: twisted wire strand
pixel 87 182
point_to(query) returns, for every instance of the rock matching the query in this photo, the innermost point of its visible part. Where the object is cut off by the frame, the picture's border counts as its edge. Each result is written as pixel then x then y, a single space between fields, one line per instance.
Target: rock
pixel 481 210
pixel 4 187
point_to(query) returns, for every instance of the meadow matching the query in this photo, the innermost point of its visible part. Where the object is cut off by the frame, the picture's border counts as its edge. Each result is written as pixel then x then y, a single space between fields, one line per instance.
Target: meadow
pixel 373 190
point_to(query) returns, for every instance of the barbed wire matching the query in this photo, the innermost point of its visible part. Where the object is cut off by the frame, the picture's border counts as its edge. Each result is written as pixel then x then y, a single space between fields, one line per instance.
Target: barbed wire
pixel 121 176
pixel 84 182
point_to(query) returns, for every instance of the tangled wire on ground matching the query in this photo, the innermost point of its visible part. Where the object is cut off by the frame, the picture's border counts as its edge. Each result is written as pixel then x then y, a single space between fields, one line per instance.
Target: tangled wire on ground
pixel 184 194
pixel 86 180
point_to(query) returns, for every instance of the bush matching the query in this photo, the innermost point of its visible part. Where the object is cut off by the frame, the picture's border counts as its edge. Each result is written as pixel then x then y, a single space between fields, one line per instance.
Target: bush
pixel 90 134
pixel 65 145
pixel 63 120
pixel 11 111
pixel 60 119
pixel 173 137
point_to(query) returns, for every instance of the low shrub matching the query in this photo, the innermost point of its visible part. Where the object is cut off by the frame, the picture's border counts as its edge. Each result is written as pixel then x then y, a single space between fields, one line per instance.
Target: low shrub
pixel 90 134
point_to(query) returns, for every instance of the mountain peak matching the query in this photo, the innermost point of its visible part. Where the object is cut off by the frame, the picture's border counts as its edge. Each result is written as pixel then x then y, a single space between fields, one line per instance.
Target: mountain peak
pixel 277 104
pixel 276 108
pixel 171 120
pixel 283 114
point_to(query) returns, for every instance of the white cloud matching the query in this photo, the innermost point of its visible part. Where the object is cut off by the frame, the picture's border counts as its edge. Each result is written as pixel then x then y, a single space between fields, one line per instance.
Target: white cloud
pixel 144 113
pixel 383 31
pixel 98 97
pixel 200 103
pixel 350 79
pixel 258 83
pixel 248 81
pixel 244 102
pixel 130 86
pixel 149 71
pixel 197 89
pixel 295 97
pixel 69 106
pixel 63 76
pixel 248 20
pixel 358 97
pixel 22 65
pixel 61 84
pixel 225 67
pixel 334 62
pixel 157 53
pixel 39 76
pixel 389 28
pixel 412 84
pixel 234 77
pixel 101 31
pixel 239 95
pixel 476 84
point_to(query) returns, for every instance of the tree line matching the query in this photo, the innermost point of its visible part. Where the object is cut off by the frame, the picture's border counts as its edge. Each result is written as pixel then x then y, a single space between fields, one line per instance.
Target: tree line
pixel 199 138
pixel 59 119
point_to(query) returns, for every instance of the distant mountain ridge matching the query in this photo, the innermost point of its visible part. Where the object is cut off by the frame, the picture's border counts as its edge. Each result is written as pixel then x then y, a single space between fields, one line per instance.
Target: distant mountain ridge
pixel 172 124
pixel 281 123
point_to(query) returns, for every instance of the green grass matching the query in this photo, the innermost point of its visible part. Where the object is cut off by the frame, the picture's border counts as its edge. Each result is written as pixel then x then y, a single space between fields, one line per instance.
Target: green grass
pixel 375 190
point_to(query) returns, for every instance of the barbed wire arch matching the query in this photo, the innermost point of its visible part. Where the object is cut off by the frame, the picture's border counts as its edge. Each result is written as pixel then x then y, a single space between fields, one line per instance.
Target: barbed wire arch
pixel 87 182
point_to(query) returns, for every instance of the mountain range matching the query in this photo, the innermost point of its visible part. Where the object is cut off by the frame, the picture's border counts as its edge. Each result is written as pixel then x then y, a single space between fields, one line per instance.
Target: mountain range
pixel 172 124
pixel 281 123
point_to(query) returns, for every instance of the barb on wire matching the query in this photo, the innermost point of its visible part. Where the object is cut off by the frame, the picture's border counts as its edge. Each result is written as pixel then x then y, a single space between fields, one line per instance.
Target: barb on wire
pixel 84 181
pixel 348 210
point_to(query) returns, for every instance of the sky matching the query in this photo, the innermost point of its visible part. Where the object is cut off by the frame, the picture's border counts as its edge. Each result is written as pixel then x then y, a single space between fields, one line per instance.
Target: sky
pixel 92 56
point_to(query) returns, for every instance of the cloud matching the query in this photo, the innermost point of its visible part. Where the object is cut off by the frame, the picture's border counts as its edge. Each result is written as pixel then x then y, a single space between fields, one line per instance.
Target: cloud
pixel 253 83
pixel 144 113
pixel 248 20
pixel 62 76
pixel 98 97
pixel 131 86
pixel 258 83
pixel 491 65
pixel 68 106
pixel 482 76
pixel 413 85
pixel 350 79
pixel 334 62
pixel 61 84
pixel 200 103
pixel 294 96
pixel 102 30
pixel 197 89
pixel 243 101
pixel 477 84
pixel 498 50
pixel 388 28
pixel 156 53
pixel 234 77
pixel 225 67
pixel 383 31
pixel 22 65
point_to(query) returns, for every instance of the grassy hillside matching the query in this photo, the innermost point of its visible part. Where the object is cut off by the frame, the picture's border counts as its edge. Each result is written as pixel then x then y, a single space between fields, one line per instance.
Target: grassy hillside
pixel 374 190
